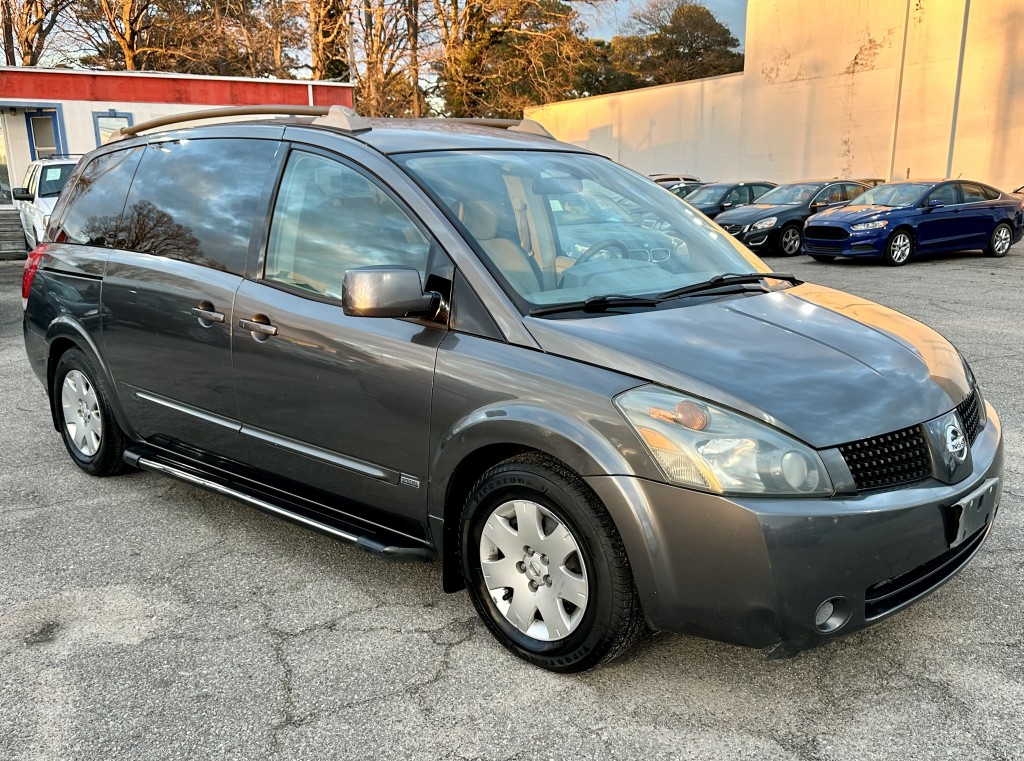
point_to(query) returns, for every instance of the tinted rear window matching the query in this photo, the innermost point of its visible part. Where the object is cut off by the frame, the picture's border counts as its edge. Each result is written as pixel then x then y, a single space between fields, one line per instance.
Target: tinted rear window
pixel 197 200
pixel 95 202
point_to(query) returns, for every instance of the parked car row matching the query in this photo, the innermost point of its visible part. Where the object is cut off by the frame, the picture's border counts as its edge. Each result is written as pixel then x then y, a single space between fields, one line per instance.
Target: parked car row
pixel 891 221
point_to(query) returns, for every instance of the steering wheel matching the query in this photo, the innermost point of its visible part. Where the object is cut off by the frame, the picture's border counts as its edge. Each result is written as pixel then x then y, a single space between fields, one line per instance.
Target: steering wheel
pixel 603 245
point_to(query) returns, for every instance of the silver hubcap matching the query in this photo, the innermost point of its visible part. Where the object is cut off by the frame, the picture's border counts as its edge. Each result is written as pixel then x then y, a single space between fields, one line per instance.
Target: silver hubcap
pixel 791 241
pixel 534 570
pixel 1002 242
pixel 900 248
pixel 81 413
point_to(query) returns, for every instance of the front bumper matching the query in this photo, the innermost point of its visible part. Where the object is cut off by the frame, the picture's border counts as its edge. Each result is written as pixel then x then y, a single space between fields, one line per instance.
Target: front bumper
pixel 860 243
pixel 754 571
pixel 759 240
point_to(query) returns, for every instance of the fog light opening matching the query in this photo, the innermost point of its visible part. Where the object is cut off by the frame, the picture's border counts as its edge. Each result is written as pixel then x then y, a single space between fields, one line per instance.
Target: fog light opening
pixel 832 614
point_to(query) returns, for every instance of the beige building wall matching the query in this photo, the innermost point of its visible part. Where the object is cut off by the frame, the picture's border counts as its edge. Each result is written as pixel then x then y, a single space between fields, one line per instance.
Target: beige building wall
pixel 862 88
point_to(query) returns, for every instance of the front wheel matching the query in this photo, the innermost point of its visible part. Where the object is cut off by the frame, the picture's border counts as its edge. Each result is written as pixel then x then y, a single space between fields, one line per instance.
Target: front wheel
pixel 91 434
pixel 790 240
pixel 1001 240
pixel 899 249
pixel 545 567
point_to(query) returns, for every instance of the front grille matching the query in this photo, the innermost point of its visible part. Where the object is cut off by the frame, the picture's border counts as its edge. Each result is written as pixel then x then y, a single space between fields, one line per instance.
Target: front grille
pixel 968 412
pixel 888 595
pixel 732 229
pixel 821 232
pixel 892 459
pixel 817 248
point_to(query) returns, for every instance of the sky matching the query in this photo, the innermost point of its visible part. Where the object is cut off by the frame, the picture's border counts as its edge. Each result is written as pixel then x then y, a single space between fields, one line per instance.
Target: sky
pixel 604 21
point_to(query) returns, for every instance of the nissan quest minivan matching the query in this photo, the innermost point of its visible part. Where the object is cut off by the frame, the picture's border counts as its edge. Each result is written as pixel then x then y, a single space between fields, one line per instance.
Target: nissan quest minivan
pixel 601 412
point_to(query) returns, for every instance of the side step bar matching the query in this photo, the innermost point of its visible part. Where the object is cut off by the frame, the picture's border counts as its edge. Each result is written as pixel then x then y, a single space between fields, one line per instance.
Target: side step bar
pixel 143 461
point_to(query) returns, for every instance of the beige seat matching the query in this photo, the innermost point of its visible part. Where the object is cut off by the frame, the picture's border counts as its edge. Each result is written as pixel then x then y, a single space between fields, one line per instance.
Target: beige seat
pixel 481 220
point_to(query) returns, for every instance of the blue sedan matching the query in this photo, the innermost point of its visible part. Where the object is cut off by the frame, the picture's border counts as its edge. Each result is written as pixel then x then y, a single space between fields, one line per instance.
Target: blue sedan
pixel 896 220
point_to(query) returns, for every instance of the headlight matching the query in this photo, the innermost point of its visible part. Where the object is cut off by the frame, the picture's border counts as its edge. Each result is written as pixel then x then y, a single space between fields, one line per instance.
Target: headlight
pixel 703 446
pixel 870 225
pixel 764 224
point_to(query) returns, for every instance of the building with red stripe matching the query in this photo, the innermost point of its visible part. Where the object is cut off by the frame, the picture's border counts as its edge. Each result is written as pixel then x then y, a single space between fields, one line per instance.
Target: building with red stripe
pixel 63 111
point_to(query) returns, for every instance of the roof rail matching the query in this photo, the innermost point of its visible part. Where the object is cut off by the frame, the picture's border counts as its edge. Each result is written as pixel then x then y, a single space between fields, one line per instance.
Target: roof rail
pixel 529 126
pixel 339 117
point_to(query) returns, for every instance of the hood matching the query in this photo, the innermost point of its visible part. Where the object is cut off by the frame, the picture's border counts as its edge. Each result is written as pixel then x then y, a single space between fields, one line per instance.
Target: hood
pixel 826 366
pixel 752 212
pixel 853 214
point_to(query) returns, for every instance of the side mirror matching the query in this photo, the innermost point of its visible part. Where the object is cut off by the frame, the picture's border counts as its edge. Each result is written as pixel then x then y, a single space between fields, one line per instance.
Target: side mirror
pixel 21 194
pixel 818 206
pixel 386 291
pixel 936 203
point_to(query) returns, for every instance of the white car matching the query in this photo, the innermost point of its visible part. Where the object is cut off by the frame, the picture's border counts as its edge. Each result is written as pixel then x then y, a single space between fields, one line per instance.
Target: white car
pixel 43 182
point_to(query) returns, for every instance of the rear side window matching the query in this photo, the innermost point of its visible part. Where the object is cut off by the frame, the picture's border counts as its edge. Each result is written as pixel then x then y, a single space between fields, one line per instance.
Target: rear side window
pixel 197 200
pixel 974 193
pixel 95 202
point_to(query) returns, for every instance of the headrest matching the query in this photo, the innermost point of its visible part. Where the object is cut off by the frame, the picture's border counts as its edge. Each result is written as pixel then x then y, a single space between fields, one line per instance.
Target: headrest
pixel 481 219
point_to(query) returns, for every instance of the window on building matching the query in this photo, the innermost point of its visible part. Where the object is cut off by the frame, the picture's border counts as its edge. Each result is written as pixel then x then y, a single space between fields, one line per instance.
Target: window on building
pixel 106 123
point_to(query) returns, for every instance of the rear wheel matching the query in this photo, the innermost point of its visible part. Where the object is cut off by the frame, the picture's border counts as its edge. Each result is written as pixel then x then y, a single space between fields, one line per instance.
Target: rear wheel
pixel 1001 240
pixel 899 249
pixel 545 567
pixel 91 435
pixel 790 240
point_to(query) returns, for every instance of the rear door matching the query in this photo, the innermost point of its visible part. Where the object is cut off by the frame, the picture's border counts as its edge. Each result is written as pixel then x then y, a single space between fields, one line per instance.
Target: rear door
pixel 330 402
pixel 940 228
pixel 168 293
pixel 978 215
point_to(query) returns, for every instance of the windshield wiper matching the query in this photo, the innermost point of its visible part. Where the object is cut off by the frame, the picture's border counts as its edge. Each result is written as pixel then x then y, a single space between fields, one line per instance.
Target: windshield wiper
pixel 596 304
pixel 613 300
pixel 728 278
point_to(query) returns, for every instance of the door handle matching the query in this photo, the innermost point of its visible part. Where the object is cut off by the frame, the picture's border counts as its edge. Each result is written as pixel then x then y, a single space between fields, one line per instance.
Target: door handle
pixel 258 327
pixel 207 314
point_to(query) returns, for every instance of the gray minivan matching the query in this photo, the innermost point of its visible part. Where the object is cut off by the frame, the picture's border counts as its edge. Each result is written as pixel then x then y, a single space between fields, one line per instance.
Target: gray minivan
pixel 397 333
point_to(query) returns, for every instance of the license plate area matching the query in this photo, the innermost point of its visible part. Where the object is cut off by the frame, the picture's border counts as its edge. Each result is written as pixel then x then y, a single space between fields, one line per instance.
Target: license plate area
pixel 973 512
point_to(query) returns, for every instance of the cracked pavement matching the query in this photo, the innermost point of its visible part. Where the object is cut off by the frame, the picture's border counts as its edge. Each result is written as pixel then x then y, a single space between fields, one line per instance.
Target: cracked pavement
pixel 142 618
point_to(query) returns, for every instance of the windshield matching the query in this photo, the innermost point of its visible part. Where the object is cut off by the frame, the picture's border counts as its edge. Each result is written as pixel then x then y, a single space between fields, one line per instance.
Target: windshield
pixel 562 227
pixel 903 194
pixel 789 195
pixel 706 194
pixel 52 178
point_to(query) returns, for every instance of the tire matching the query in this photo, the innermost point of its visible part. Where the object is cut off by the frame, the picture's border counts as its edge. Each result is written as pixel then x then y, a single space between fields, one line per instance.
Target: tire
pixel 791 240
pixel 91 434
pixel 1001 240
pixel 898 249
pixel 822 258
pixel 564 556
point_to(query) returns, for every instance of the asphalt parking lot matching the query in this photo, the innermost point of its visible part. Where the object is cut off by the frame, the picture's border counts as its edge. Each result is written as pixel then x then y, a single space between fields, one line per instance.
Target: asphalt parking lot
pixel 141 618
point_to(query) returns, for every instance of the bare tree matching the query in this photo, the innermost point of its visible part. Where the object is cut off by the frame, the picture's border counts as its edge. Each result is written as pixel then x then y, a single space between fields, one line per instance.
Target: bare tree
pixel 26 25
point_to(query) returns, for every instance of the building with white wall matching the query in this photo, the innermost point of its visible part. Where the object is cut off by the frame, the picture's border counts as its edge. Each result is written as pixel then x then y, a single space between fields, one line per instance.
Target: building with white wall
pixel 63 111
pixel 861 88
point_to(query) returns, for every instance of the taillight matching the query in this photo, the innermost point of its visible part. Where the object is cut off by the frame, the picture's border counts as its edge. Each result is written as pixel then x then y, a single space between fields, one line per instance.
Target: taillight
pixel 35 257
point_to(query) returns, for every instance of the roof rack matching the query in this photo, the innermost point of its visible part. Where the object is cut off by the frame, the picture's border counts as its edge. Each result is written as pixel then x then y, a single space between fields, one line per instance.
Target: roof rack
pixel 529 126
pixel 338 117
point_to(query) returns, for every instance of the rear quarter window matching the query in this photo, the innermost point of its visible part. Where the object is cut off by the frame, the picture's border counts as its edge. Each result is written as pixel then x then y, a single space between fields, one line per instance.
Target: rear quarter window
pixel 197 200
pixel 96 200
